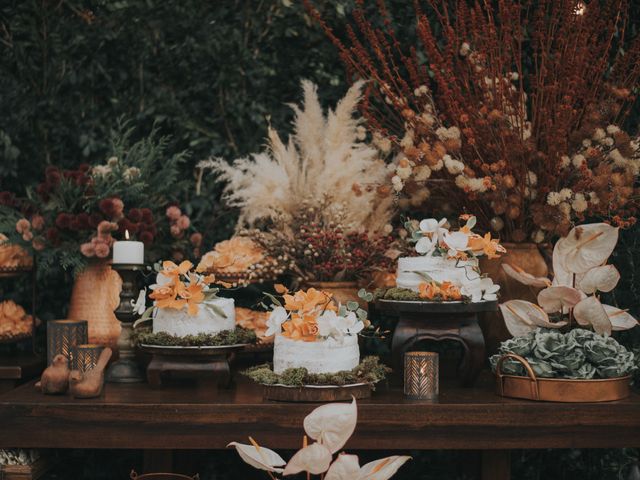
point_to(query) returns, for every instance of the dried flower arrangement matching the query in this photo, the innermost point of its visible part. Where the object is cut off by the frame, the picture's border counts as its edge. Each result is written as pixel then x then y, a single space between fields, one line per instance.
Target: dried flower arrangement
pixel 13 256
pixel 515 115
pixel 74 215
pixel 312 202
pixel 580 272
pixel 330 426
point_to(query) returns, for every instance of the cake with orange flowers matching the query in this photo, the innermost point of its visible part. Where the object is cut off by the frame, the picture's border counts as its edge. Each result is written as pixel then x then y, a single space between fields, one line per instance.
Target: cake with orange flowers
pixel 447 267
pixel 313 331
pixel 185 303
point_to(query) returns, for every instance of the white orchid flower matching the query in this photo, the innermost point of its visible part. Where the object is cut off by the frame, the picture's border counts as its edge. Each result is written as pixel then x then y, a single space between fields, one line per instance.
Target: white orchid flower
pixel 433 228
pixel 140 305
pixel 456 242
pixel 352 324
pixel 481 289
pixel 274 324
pixel 328 324
pixel 426 245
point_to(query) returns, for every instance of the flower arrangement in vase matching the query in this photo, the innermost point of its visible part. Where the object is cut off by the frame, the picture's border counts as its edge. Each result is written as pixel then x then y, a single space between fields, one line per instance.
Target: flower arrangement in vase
pixel 530 146
pixel 74 216
pixel 316 205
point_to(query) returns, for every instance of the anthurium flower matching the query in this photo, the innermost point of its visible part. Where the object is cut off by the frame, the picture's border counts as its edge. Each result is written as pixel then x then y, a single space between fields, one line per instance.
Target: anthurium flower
pixel 590 312
pixel 587 246
pixel 382 469
pixel 556 298
pixel 602 279
pixel 620 319
pixel 259 457
pixel 345 467
pixel 274 324
pixel 332 424
pixel 315 459
pixel 520 317
pixel 518 273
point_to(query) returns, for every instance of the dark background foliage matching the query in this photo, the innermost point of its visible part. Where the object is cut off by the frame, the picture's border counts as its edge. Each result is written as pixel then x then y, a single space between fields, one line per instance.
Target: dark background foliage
pixel 211 74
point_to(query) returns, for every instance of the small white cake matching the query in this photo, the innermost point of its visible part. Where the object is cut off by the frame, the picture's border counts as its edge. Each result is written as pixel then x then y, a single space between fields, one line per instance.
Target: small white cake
pixel 459 272
pixel 207 321
pixel 322 356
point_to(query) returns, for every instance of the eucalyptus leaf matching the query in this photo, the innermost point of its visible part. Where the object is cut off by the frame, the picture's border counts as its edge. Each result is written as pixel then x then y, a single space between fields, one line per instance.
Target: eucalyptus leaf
pixel 352 306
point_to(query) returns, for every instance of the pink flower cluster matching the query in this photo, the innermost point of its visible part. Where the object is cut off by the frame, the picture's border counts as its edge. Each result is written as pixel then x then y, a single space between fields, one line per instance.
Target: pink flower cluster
pixel 26 228
pixel 179 222
pixel 100 244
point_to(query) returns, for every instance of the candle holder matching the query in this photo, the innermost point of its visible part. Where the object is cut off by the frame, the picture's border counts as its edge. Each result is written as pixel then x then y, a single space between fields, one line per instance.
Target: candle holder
pixel 126 370
pixel 85 357
pixel 63 335
pixel 421 375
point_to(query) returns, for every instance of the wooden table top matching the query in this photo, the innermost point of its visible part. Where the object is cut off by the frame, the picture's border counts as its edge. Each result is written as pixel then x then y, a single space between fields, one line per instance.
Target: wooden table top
pixel 198 417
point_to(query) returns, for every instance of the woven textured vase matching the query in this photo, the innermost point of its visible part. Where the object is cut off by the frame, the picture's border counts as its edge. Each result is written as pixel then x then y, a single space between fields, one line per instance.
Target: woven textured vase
pixel 95 295
pixel 527 256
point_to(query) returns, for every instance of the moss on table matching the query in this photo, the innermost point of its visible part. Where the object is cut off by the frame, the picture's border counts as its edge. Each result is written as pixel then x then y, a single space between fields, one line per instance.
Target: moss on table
pixel 370 370
pixel 228 337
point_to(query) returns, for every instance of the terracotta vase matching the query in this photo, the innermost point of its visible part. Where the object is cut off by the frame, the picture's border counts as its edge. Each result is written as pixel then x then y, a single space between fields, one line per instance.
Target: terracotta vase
pixel 530 258
pixel 343 292
pixel 95 295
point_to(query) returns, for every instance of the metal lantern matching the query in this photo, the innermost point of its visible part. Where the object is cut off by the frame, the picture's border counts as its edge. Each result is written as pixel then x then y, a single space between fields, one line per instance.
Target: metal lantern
pixel 85 357
pixel 421 375
pixel 63 335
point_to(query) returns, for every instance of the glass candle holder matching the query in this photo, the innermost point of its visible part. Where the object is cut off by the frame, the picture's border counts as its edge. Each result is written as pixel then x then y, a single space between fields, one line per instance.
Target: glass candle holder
pixel 85 357
pixel 63 335
pixel 421 375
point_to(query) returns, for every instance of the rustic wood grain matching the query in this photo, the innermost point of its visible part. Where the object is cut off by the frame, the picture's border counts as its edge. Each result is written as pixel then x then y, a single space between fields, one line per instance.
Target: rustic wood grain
pixel 197 417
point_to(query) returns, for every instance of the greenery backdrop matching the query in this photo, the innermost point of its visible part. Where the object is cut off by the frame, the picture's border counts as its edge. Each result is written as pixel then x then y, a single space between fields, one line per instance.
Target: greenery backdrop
pixel 209 73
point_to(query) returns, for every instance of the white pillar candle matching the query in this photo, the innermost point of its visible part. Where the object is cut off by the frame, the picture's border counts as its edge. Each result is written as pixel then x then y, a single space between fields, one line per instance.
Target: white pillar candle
pixel 128 252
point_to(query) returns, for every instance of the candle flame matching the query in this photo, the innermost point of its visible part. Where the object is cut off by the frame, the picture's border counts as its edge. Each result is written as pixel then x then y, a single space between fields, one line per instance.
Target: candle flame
pixel 423 370
pixel 126 234
pixel 580 8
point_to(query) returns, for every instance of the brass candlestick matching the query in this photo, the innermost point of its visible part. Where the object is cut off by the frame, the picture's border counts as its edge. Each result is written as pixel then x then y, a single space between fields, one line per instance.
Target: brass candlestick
pixel 126 369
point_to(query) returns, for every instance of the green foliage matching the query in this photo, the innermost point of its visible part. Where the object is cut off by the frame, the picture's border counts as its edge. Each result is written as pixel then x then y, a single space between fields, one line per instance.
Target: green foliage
pixel 227 337
pixel 370 370
pixel 580 354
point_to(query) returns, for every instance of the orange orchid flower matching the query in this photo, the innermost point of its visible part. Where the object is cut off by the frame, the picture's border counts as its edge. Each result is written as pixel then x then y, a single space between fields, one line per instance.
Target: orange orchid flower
pixel 490 247
pixel 170 269
pixel 166 296
pixel 193 296
pixel 303 328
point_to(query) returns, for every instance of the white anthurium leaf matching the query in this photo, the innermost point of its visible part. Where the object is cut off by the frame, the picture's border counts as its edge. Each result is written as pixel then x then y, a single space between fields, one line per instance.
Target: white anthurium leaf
pixel 561 275
pixel 315 459
pixel 555 299
pixel 332 424
pixel 382 469
pixel 620 319
pixel 589 311
pixel 345 467
pixel 587 246
pixel 259 457
pixel 602 279
pixel 517 273
pixel 521 317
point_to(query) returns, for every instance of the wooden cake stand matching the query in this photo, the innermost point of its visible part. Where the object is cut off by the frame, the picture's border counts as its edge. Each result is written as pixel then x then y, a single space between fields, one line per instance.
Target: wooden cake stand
pixel 190 362
pixel 457 321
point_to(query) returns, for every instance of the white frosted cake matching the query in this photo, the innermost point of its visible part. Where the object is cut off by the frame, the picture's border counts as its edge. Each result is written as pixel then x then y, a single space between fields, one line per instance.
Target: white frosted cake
pixel 328 355
pixel 461 273
pixel 207 321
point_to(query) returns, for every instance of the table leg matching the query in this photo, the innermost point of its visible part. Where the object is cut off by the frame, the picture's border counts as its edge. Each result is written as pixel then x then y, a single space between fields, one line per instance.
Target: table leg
pixel 496 465
pixel 158 461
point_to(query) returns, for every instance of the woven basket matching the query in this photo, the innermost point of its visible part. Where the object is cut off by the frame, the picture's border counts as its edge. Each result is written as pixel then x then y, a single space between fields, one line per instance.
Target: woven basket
pixel 95 295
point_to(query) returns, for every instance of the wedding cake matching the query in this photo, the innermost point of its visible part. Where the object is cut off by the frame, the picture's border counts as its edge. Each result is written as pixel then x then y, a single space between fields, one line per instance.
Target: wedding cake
pixel 313 332
pixel 185 304
pixel 447 267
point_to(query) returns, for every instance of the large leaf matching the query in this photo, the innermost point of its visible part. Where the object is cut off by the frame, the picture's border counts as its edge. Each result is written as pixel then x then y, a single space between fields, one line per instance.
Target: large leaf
pixel 382 469
pixel 602 279
pixel 516 272
pixel 587 246
pixel 332 424
pixel 620 319
pixel 345 467
pixel 259 457
pixel 315 459
pixel 521 317
pixel 590 312
pixel 554 299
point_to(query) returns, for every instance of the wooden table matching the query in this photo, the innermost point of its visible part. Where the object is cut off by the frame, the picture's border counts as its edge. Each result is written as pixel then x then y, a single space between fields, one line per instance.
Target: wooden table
pixel 16 369
pixel 133 416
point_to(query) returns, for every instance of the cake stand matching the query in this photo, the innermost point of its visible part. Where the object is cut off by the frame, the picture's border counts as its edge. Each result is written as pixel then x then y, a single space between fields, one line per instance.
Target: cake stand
pixel 317 393
pixel 437 321
pixel 190 362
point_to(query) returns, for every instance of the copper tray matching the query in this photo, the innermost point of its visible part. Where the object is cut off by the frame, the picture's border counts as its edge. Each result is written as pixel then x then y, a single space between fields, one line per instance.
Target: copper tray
pixel 559 389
